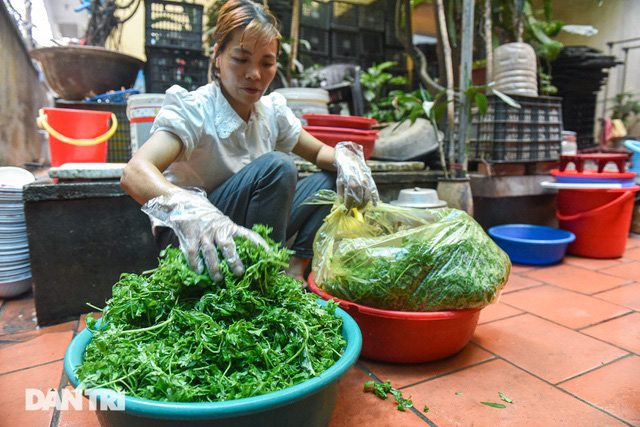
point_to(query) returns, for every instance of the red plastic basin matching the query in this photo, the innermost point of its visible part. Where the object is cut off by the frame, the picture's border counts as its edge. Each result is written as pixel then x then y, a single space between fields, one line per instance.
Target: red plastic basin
pixel 338 121
pixel 332 136
pixel 407 336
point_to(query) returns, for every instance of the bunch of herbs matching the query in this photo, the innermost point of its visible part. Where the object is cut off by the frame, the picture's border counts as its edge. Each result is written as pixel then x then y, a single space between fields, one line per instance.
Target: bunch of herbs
pixel 174 335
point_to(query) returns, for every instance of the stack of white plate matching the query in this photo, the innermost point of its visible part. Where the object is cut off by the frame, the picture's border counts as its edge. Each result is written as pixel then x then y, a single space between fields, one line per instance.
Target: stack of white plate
pixel 15 270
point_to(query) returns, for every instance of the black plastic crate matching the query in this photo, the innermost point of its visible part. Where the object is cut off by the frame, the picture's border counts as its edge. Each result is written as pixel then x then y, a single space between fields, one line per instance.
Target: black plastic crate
pixel 167 67
pixel 316 14
pixel 371 43
pixel 372 17
pixel 345 44
pixel 396 55
pixel 317 38
pixel 344 16
pixel 390 38
pixel 506 134
pixel 367 61
pixel 119 145
pixel 345 60
pixel 173 25
pixel 309 60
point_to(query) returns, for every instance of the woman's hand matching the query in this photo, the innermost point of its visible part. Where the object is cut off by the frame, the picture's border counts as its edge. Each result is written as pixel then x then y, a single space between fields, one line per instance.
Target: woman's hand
pixel 354 183
pixel 200 228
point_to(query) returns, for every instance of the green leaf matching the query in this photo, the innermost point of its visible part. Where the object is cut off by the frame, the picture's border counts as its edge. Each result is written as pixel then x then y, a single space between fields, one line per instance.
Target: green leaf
pixel 505 398
pixel 547 10
pixel 510 101
pixel 494 405
pixel 482 102
pixel 458 393
pixel 426 408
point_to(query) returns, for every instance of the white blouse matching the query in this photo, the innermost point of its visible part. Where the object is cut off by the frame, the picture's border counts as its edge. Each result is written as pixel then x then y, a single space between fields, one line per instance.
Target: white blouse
pixel 217 143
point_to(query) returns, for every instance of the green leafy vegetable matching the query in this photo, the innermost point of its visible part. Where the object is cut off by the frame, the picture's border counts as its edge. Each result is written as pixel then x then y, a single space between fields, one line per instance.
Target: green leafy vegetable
pixel 382 389
pixel 494 405
pixel 408 259
pixel 426 408
pixel 505 398
pixel 174 335
pixel 458 393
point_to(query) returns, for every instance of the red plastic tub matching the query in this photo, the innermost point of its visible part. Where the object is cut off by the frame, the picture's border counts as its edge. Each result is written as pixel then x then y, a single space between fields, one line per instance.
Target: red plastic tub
pixel 332 136
pixel 338 121
pixel 600 219
pixel 407 336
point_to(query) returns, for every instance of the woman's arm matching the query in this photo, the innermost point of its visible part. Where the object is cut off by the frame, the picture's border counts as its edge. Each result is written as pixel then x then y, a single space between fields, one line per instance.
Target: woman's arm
pixel 142 177
pixel 311 149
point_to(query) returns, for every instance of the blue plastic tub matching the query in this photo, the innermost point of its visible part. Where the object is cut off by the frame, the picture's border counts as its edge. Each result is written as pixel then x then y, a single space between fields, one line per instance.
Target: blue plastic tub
pixel 634 146
pixel 309 403
pixel 532 244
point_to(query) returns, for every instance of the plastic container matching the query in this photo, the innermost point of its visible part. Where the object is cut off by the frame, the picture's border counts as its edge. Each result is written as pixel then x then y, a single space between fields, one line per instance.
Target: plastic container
pixel 634 146
pixel 419 198
pixel 77 136
pixel 405 336
pixel 600 219
pixel 309 403
pixel 141 112
pixel 117 97
pixel 515 69
pixel 588 176
pixel 173 24
pixel 303 101
pixel 168 67
pixel 532 244
pixel 338 121
pixel 332 136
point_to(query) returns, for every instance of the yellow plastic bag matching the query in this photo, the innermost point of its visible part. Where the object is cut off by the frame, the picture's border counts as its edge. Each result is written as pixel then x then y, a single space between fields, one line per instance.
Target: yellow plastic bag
pixel 407 259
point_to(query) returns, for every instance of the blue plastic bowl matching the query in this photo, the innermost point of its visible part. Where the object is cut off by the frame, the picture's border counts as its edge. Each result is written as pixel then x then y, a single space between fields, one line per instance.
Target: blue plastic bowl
pixel 309 403
pixel 532 244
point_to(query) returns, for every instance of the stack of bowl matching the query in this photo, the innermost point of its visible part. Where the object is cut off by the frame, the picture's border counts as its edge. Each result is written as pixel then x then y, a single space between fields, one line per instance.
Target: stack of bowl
pixel 333 128
pixel 15 270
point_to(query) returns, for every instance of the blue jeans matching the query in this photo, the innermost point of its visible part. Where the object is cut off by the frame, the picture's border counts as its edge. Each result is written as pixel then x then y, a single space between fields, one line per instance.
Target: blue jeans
pixel 266 191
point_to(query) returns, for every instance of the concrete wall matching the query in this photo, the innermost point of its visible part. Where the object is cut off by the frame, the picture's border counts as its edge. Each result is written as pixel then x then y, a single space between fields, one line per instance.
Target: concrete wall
pixel 615 20
pixel 21 96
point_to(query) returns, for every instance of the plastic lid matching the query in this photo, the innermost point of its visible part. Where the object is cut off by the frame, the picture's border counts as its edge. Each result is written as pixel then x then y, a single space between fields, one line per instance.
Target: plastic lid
pixel 345 131
pixel 145 99
pixel 15 177
pixel 335 120
pixel 305 94
pixel 592 173
pixel 419 198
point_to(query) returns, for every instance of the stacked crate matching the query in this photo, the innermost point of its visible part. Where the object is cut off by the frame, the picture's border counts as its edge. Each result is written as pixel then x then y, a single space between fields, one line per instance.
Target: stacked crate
pixel 173 45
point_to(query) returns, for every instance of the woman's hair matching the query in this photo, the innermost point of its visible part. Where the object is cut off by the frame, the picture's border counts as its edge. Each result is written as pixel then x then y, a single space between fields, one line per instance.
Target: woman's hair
pixel 251 18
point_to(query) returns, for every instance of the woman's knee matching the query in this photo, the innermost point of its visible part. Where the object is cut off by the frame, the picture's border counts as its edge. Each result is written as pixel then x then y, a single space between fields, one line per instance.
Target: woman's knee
pixel 281 164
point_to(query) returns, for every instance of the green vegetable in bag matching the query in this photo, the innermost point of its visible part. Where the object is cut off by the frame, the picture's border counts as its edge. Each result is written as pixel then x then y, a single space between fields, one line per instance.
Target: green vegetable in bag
pixel 407 259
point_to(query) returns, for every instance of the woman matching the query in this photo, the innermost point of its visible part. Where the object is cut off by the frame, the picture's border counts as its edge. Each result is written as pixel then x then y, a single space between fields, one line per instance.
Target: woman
pixel 234 143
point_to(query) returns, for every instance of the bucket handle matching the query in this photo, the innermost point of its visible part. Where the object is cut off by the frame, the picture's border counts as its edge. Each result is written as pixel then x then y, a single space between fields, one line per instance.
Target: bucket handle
pixel 44 124
pixel 626 195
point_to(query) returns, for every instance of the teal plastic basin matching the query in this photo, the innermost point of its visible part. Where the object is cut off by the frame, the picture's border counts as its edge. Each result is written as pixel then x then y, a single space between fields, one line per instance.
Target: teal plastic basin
pixel 309 403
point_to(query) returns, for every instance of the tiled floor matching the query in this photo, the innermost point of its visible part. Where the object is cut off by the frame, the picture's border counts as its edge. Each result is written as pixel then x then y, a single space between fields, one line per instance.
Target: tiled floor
pixel 563 343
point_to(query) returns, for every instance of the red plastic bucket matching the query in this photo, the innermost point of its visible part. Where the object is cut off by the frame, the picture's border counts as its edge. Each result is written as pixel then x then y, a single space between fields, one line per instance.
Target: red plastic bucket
pixel 600 219
pixel 77 136
pixel 408 336
pixel 332 136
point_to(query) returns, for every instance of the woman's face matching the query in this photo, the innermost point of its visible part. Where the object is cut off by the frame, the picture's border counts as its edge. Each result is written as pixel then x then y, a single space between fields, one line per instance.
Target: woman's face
pixel 246 70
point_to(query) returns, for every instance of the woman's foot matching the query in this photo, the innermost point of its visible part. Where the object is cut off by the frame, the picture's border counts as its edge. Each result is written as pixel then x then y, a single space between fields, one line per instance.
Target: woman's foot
pixel 296 269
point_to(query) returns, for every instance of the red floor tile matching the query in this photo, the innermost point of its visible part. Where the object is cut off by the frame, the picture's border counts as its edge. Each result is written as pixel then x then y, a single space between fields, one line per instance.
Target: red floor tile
pixel 403 375
pixel 497 311
pixel 549 351
pixel 623 332
pixel 26 349
pixel 357 408
pixel 591 263
pixel 629 270
pixel 520 268
pixel 78 418
pixel 535 403
pixel 628 296
pixel 18 315
pixel 13 394
pixel 517 282
pixel 614 387
pixel 632 254
pixel 576 278
pixel 568 308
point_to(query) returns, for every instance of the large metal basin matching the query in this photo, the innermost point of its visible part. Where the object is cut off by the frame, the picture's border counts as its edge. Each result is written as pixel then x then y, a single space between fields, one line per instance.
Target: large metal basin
pixel 78 72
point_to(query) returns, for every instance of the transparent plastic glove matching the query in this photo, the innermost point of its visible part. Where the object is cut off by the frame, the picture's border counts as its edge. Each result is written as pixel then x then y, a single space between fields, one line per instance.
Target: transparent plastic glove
pixel 200 227
pixel 355 183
